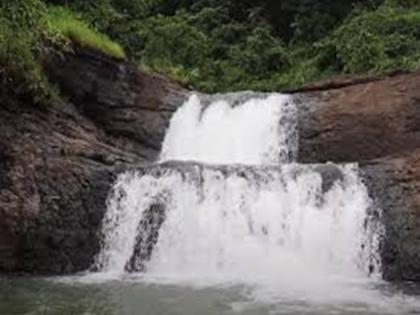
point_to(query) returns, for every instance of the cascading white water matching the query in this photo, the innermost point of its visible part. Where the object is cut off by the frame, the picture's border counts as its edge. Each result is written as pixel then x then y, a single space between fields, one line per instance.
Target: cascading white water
pixel 258 131
pixel 241 223
pixel 248 217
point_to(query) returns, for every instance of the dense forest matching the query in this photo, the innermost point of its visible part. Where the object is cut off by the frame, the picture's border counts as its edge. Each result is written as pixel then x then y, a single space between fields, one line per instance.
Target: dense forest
pixel 211 45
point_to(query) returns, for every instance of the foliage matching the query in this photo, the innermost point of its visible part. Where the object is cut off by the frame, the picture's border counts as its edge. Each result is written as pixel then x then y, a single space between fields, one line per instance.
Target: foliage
pixel 171 41
pixel 29 33
pixel 24 37
pixel 210 51
pixel 379 40
pixel 269 45
pixel 223 45
pixel 78 31
pixel 214 45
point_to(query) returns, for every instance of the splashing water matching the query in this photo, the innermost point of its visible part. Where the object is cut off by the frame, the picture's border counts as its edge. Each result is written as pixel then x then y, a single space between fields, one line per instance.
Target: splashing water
pixel 243 213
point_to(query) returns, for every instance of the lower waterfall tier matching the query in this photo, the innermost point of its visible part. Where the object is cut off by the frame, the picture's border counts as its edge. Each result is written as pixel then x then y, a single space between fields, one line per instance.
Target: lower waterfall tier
pixel 196 219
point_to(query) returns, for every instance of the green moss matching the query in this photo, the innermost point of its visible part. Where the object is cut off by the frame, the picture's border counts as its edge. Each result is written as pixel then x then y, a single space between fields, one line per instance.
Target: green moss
pixel 66 22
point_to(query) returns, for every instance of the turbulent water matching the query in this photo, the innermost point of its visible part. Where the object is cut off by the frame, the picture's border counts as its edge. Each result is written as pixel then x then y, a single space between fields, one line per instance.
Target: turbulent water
pixel 227 223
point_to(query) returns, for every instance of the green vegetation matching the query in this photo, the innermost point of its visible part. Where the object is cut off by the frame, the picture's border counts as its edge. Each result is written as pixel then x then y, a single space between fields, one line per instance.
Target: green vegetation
pixel 381 40
pixel 213 45
pixel 29 33
pixel 24 38
pixel 225 45
pixel 78 31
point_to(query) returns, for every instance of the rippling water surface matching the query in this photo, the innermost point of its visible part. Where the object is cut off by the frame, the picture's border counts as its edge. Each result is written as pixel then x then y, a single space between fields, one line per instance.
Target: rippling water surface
pixel 129 296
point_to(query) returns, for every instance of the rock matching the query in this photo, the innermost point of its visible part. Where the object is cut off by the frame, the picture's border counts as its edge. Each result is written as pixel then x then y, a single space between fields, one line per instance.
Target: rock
pixel 125 102
pixel 58 164
pixel 343 80
pixel 147 237
pixel 362 121
pixel 394 185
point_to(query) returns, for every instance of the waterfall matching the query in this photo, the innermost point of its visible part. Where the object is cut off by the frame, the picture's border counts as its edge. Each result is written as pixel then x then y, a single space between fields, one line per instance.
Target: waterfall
pixel 227 203
pixel 261 130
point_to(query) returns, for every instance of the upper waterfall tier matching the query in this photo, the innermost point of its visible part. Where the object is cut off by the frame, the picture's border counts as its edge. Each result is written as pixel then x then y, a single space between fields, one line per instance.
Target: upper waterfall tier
pixel 243 128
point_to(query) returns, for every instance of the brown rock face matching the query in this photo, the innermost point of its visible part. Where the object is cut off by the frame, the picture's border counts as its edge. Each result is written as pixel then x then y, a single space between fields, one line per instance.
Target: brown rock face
pixel 123 101
pixel 361 122
pixel 57 164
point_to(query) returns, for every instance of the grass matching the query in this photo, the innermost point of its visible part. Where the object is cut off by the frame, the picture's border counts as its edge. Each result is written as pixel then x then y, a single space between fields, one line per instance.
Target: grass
pixel 68 24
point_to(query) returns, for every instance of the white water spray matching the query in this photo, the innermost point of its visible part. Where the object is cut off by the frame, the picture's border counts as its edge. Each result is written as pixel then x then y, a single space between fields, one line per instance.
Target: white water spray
pixel 249 216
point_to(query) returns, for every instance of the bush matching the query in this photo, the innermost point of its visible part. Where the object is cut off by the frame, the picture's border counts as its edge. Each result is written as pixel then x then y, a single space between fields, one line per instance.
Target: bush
pixel 379 40
pixel 259 54
pixel 171 41
pixel 81 33
pixel 25 37
pixel 29 33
